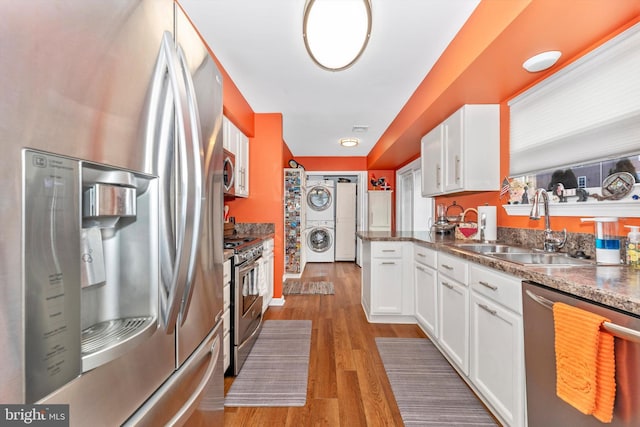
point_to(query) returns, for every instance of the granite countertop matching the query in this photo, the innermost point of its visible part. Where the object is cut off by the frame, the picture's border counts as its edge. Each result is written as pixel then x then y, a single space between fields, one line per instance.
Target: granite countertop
pixel 613 286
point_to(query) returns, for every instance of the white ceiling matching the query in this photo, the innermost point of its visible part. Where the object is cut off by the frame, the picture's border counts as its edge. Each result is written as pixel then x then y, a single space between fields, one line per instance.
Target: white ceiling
pixel 259 43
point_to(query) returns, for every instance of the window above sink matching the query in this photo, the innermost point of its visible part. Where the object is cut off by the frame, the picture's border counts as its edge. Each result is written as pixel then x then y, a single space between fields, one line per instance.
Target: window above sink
pixel 575 178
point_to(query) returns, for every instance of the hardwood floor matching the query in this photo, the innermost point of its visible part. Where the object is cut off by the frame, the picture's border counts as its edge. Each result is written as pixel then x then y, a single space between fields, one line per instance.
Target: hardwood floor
pixel 347 382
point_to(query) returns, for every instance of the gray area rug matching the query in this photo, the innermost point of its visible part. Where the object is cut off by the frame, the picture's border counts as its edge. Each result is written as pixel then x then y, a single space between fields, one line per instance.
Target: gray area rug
pixel 427 389
pixel 296 287
pixel 277 369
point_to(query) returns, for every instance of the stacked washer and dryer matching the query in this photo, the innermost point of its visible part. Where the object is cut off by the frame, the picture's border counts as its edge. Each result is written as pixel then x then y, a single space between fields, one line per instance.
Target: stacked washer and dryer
pixel 320 224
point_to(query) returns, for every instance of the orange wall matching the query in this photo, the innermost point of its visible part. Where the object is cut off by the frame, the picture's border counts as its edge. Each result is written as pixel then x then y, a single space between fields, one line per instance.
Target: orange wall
pixel 332 163
pixel 265 187
pixel 286 155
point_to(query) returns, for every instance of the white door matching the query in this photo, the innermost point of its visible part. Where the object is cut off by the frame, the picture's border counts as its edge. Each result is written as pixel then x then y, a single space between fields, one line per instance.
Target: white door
pixel 345 239
pixel 405 202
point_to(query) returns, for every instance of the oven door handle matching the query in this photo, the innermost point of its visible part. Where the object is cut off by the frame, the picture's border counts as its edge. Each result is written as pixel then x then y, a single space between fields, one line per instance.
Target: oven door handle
pixel 247 267
pixel 614 329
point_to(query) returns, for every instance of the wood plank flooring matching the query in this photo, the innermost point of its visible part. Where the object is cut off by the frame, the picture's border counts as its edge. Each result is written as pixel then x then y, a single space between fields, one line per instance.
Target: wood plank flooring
pixel 347 382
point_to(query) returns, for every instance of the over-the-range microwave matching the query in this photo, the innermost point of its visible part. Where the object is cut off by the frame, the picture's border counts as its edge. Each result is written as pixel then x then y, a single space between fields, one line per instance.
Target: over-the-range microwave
pixel 228 173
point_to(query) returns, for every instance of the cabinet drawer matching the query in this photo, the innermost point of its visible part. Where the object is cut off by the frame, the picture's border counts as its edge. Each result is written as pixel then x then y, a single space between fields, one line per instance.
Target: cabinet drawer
pixel 227 296
pixel 425 256
pixel 386 250
pixel 226 272
pixel 500 287
pixel 454 267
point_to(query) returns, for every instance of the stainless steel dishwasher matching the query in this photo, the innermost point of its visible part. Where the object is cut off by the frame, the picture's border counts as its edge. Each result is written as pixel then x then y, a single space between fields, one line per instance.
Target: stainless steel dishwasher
pixel 544 408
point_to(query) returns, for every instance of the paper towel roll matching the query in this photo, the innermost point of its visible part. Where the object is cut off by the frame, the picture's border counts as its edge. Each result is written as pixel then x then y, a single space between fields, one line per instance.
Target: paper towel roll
pixel 491 222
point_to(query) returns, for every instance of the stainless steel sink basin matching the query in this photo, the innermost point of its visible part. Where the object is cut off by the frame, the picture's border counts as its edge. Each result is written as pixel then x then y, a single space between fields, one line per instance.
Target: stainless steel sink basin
pixel 485 248
pixel 524 256
pixel 541 259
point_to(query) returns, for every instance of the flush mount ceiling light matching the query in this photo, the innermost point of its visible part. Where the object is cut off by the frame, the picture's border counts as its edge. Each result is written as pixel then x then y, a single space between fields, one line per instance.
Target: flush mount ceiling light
pixel 336 32
pixel 349 142
pixel 541 61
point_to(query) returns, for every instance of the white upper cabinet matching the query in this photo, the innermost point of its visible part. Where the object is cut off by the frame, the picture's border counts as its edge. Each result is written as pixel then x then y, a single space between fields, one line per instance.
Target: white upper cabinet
pixel 237 142
pixel 431 155
pixel 380 210
pixel 463 152
pixel 242 165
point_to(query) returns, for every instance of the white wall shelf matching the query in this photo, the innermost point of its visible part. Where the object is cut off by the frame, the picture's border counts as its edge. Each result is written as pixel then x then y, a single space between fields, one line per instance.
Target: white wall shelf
pixel 627 208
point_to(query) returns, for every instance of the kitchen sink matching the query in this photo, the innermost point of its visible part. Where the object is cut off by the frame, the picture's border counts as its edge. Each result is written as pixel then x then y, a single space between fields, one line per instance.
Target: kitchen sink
pixel 541 258
pixel 485 248
pixel 524 256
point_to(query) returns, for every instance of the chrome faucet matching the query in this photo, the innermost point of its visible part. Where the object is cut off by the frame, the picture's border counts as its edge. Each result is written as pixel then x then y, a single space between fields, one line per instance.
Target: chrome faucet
pixel 483 226
pixel 551 244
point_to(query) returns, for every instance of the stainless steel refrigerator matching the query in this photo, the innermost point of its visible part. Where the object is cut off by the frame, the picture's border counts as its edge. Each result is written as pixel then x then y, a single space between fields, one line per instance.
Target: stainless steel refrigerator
pixel 111 206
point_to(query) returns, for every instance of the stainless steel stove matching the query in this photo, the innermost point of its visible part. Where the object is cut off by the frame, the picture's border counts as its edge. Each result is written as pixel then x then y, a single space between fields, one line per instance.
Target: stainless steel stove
pixel 244 248
pixel 246 301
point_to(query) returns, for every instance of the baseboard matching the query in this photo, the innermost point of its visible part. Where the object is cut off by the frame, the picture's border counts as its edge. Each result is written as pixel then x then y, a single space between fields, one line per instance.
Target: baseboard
pixel 277 302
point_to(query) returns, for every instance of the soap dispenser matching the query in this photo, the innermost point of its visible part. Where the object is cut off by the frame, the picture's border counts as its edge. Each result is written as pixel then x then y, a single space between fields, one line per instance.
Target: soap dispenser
pixel 633 249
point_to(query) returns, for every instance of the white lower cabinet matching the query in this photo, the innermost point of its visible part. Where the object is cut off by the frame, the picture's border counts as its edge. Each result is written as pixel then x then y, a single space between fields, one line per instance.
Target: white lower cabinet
pixel 387 294
pixel 472 313
pixel 267 257
pixel 453 309
pixel 497 347
pixel 426 289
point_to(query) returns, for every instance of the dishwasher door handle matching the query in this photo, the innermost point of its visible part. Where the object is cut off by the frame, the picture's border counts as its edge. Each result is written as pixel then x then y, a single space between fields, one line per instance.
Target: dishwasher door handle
pixel 614 329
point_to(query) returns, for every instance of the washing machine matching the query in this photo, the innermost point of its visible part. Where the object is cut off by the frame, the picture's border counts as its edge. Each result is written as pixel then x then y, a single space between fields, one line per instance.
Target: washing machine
pixel 320 200
pixel 320 241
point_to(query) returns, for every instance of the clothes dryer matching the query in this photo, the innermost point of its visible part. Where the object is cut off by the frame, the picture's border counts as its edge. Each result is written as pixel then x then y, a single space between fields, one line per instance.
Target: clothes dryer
pixel 320 200
pixel 320 241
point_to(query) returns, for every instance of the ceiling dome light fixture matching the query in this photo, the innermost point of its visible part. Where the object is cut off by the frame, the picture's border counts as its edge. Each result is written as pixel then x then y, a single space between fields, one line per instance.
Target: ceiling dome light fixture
pixel 336 32
pixel 349 142
pixel 541 61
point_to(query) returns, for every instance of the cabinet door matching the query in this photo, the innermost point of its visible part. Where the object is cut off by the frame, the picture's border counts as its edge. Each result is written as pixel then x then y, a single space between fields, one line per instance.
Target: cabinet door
pixel 426 291
pixel 226 135
pixel 453 310
pixel 380 210
pixel 497 366
pixel 242 164
pixel 431 157
pixel 453 152
pixel 386 286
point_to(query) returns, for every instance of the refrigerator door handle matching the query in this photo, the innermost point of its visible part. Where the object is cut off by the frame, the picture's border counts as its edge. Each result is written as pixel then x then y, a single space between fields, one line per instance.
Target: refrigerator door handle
pixel 195 149
pixel 174 212
pixel 187 409
pixel 147 415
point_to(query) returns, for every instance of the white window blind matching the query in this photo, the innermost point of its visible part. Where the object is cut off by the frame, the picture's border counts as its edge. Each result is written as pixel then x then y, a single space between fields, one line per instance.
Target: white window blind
pixel 588 111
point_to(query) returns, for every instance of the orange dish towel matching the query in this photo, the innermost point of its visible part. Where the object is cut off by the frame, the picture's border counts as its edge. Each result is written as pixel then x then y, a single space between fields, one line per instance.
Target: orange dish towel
pixel 585 361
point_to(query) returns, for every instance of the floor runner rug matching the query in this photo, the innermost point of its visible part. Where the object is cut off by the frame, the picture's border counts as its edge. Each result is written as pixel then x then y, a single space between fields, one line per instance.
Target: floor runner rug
pixel 276 371
pixel 295 287
pixel 427 389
